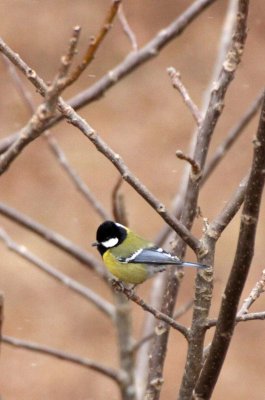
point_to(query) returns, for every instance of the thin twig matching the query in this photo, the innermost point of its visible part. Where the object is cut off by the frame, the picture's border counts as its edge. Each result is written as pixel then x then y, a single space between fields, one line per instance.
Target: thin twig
pixel 216 227
pixel 75 178
pixel 127 29
pixel 118 204
pixel 95 42
pixel 258 289
pixel 177 84
pixel 103 305
pixel 195 168
pixel 56 239
pixel 116 375
pixel 260 315
pixel 232 136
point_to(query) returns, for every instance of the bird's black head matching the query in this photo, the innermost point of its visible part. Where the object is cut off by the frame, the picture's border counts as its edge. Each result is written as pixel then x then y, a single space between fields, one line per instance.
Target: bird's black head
pixel 109 234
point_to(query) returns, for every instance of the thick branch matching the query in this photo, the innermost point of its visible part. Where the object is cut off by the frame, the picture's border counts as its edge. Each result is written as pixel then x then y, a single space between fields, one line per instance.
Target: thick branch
pixel 204 282
pixel 236 281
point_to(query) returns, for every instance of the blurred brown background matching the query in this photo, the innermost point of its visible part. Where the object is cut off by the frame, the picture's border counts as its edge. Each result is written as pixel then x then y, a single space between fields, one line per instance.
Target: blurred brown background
pixel 145 121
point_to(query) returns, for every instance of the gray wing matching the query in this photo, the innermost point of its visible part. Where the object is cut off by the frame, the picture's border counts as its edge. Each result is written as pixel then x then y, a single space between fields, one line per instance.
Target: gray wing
pixel 152 255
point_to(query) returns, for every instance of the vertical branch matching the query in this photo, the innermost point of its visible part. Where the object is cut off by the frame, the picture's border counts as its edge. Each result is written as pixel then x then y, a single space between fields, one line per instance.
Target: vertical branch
pixel 123 310
pixel 1 315
pixel 236 281
pixel 204 281
pixel 203 285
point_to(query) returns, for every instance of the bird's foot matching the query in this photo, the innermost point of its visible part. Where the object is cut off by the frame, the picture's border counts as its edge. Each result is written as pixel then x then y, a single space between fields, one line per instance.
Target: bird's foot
pixel 117 285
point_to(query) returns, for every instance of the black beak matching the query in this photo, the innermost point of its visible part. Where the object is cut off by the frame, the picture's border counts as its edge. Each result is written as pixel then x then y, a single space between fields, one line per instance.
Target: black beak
pixel 94 244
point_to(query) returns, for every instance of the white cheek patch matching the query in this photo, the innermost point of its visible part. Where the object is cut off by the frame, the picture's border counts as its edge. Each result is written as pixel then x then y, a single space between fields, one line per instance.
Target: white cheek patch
pixel 110 243
pixel 120 225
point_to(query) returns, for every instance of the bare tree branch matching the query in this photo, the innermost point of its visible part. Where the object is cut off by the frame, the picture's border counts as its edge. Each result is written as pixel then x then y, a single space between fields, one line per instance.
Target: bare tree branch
pixel 127 29
pixel 95 42
pixel 1 315
pixel 44 112
pixel 236 281
pixel 56 239
pixel 118 204
pixel 72 284
pixel 55 147
pixel 253 296
pixel 195 168
pixel 123 316
pixel 232 136
pixel 177 84
pixel 217 226
pixel 181 311
pixel 203 285
pixel 157 314
pixel 131 62
pixel 123 320
pixel 118 376
pixel 115 158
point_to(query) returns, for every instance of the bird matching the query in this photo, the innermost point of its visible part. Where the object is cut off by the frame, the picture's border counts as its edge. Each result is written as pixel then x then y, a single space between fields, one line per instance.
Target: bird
pixel 129 257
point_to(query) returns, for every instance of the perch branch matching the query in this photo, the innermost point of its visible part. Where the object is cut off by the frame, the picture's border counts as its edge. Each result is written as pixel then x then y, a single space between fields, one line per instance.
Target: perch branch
pixel 156 313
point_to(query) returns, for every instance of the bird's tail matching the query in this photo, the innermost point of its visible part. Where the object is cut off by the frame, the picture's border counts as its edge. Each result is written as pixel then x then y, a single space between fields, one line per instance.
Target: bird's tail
pixel 193 264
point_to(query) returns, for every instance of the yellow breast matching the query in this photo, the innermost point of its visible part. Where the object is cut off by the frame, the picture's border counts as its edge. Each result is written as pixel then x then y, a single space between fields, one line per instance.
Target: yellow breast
pixel 128 273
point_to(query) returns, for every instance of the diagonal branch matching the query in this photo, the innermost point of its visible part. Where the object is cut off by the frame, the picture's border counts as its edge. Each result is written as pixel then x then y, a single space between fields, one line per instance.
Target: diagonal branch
pixel 54 146
pixel 116 375
pixel 95 42
pixel 177 84
pixel 237 278
pixel 70 283
pixel 232 136
pixel 44 112
pixel 101 146
pixel 156 313
pixel 56 239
